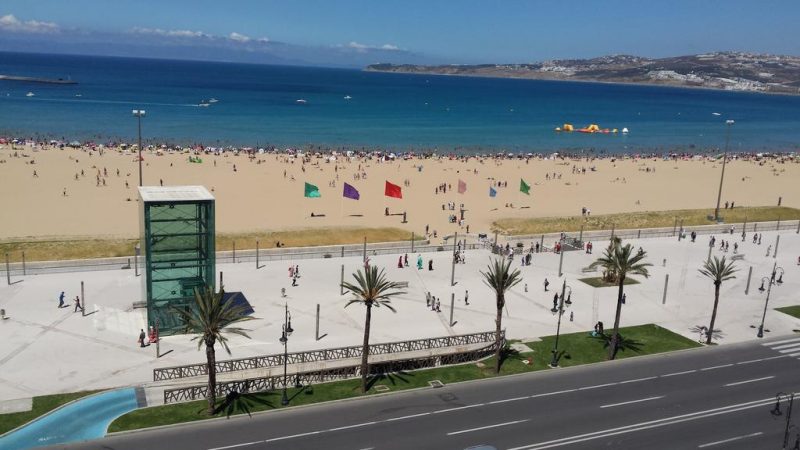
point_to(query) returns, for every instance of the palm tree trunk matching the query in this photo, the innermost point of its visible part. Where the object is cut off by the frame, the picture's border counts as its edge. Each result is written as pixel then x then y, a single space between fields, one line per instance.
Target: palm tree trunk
pixel 365 350
pixel 211 361
pixel 497 339
pixel 713 314
pixel 612 348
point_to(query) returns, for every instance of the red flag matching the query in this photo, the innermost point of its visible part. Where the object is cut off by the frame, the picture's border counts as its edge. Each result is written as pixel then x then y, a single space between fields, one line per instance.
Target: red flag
pixel 393 190
pixel 462 187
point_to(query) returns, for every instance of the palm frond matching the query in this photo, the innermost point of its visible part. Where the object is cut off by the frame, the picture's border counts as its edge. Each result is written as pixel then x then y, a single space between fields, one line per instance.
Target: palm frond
pixel 498 278
pixel 209 317
pixel 372 288
pixel 718 270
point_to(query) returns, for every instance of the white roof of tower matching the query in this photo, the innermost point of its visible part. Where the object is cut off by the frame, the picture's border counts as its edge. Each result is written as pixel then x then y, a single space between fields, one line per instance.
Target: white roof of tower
pixel 174 193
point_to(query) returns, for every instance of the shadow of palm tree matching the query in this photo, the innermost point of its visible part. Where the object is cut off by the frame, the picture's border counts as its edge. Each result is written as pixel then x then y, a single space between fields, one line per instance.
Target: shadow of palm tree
pixel 236 403
pixel 702 332
pixel 391 377
pixel 623 343
pixel 507 352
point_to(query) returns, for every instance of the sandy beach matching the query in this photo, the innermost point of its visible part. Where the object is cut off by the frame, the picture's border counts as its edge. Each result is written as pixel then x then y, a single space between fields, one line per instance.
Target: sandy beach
pixel 79 192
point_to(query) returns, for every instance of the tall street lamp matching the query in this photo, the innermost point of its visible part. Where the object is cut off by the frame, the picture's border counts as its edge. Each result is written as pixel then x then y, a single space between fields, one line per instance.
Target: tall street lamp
pixel 771 281
pixel 560 311
pixel 724 160
pixel 285 333
pixel 139 113
pixel 776 411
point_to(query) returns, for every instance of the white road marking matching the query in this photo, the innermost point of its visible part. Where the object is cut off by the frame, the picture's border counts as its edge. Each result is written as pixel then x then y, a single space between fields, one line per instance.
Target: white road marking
pixel 292 436
pixel 678 373
pixel 508 400
pixel 789 350
pixel 646 425
pixel 632 401
pixel 715 367
pixel 487 427
pixel 781 342
pixel 237 445
pixel 762 359
pixel 457 409
pixel 546 394
pixel 637 380
pixel 407 417
pixel 347 427
pixel 596 386
pixel 750 381
pixel 778 347
pixel 793 354
pixel 737 438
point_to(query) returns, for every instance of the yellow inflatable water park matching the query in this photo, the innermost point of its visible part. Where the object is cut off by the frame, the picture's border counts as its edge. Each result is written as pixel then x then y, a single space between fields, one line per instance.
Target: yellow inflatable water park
pixel 592 128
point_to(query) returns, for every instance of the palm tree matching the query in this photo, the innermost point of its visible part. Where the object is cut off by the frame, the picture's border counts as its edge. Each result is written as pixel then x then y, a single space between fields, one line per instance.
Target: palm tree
pixel 622 262
pixel 209 318
pixel 500 280
pixel 370 289
pixel 718 270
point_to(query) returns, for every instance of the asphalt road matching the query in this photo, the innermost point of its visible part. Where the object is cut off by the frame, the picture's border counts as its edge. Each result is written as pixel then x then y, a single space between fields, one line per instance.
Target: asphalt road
pixel 709 398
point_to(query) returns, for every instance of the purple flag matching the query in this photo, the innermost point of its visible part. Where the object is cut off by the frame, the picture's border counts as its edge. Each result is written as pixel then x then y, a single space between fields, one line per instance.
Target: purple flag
pixel 351 192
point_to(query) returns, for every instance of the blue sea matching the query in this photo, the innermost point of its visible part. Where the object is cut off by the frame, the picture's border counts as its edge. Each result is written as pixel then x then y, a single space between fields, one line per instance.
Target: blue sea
pixel 257 106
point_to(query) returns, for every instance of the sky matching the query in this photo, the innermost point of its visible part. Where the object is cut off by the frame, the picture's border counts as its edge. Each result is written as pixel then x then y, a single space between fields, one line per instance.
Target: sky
pixel 358 32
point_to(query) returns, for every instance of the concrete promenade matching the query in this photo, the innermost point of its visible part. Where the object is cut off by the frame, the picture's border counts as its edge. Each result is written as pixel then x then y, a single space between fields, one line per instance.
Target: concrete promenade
pixel 49 350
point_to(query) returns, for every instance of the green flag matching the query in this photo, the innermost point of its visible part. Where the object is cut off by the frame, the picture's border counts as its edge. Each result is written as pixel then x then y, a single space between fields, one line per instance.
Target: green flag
pixel 524 187
pixel 312 191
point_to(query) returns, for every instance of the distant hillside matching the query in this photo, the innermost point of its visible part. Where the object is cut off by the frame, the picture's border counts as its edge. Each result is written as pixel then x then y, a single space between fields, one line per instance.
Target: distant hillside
pixel 731 71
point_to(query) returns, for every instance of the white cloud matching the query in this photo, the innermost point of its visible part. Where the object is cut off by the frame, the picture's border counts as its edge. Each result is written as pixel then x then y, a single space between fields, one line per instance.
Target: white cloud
pixel 363 48
pixel 170 33
pixel 234 36
pixel 11 23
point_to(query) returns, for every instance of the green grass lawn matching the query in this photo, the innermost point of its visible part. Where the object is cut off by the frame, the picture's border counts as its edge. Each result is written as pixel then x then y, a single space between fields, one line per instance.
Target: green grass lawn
pixel 579 347
pixel 41 405
pixel 641 220
pixel 793 311
pixel 598 282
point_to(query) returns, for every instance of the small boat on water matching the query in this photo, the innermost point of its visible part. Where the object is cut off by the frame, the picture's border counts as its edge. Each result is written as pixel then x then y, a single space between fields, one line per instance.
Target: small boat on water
pixel 716 114
pixel 29 94
pixel 347 97
pixel 204 104
pixel 302 101
pixel 212 100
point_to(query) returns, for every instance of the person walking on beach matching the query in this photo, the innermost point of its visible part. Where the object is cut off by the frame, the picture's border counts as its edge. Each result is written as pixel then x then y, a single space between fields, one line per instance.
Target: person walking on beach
pixel 61 300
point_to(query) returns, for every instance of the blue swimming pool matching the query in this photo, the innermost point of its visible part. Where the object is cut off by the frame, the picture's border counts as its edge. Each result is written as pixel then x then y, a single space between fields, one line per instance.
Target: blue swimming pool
pixel 87 418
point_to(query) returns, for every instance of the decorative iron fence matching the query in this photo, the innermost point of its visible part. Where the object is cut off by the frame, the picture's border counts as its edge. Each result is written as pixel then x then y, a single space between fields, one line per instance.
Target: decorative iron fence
pixel 265 384
pixel 333 354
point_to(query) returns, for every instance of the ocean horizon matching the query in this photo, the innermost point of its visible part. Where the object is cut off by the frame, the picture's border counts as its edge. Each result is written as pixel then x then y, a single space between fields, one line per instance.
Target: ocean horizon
pixel 219 104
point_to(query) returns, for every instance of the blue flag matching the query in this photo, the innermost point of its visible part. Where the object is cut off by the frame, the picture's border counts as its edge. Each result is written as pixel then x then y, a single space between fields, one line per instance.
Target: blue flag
pixel 492 192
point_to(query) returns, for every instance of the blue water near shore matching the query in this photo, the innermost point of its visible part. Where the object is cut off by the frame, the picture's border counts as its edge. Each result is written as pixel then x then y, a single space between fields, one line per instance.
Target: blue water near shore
pixel 84 419
pixel 257 106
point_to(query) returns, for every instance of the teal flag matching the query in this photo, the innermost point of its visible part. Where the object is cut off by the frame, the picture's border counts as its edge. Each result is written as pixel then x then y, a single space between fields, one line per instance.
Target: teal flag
pixel 312 191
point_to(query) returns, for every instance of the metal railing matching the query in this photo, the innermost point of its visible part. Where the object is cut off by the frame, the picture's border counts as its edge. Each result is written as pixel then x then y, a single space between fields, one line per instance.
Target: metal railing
pixel 270 383
pixel 223 257
pixel 333 354
pixel 643 233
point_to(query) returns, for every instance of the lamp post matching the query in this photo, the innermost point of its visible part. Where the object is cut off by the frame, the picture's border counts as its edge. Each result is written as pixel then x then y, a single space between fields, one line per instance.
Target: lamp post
pixel 560 311
pixel 771 281
pixel 776 411
pixel 285 333
pixel 724 160
pixel 139 113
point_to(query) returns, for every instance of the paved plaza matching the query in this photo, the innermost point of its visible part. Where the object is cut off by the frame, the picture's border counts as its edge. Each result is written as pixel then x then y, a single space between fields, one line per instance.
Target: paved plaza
pixel 47 349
